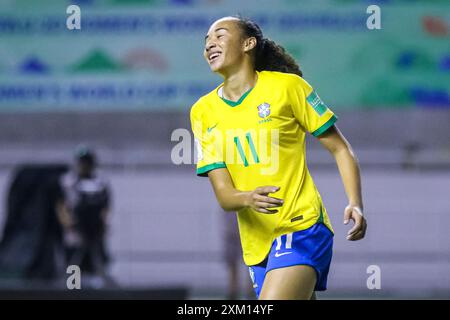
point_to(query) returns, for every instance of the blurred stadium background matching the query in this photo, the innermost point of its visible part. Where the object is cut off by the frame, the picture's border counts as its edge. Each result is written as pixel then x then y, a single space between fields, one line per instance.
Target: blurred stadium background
pixel 126 81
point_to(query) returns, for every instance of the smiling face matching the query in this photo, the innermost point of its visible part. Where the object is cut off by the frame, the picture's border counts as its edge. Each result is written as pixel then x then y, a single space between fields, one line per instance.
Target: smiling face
pixel 225 47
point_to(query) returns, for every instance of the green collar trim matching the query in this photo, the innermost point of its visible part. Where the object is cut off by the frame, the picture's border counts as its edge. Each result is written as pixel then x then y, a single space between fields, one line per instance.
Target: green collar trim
pixel 236 103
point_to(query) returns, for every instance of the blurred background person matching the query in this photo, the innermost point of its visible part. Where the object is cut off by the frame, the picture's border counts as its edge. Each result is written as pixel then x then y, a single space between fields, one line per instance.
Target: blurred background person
pixel 83 211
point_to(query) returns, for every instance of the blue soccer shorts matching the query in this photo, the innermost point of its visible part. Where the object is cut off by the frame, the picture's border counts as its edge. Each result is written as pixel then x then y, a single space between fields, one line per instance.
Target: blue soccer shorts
pixel 312 247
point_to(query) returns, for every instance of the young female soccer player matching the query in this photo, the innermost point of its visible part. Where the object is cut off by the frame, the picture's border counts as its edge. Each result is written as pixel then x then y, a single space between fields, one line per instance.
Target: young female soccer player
pixel 250 138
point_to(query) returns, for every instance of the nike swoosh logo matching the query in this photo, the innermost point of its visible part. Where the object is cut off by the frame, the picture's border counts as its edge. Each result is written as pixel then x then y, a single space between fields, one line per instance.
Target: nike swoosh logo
pixel 211 128
pixel 277 254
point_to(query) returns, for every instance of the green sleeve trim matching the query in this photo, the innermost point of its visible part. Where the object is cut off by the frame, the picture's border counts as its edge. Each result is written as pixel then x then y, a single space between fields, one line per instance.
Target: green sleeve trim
pixel 325 126
pixel 203 171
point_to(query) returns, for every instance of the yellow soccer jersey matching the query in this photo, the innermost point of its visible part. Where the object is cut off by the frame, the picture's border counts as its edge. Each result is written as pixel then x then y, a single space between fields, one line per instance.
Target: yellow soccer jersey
pixel 261 141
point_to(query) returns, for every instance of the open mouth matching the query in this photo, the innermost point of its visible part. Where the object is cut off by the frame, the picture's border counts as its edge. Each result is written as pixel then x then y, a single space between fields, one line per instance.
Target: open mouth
pixel 213 56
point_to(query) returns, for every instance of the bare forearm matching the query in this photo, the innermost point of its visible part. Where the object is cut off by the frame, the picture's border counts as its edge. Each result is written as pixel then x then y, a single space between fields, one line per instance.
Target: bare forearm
pixel 349 170
pixel 231 199
pixel 335 142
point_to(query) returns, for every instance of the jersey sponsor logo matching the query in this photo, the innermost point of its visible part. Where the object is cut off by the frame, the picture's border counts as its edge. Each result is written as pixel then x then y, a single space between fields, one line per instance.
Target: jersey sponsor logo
pixel 211 128
pixel 300 217
pixel 264 110
pixel 316 103
pixel 278 254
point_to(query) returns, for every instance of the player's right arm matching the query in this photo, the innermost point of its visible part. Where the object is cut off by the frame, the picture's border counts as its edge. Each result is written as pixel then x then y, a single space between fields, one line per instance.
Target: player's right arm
pixel 211 163
pixel 231 199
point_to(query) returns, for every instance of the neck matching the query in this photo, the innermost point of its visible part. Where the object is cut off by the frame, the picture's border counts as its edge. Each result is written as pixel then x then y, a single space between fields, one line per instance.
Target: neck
pixel 237 83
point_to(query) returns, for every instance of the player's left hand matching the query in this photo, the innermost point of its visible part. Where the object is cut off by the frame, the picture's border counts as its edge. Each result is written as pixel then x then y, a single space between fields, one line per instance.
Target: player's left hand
pixel 359 228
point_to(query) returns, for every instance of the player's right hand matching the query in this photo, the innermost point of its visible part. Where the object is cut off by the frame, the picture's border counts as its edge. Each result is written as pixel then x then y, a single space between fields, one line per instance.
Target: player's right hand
pixel 260 201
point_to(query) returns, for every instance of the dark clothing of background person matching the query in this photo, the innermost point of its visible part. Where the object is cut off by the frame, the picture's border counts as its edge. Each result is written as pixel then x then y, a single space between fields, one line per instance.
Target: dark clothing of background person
pixel 84 206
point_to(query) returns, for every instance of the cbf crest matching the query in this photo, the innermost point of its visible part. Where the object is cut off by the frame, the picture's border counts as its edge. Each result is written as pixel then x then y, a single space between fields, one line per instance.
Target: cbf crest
pixel 264 110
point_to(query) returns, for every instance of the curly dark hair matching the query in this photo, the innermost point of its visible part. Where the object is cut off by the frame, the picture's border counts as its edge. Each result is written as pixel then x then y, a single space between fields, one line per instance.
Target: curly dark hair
pixel 269 55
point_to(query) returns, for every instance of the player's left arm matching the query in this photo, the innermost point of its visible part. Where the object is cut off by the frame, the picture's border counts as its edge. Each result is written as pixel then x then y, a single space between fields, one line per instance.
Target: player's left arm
pixel 333 140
